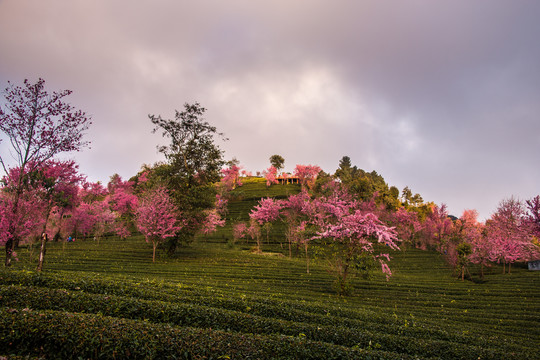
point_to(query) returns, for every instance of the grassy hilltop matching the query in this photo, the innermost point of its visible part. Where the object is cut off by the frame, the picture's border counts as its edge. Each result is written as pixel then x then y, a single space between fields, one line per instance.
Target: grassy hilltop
pixel 218 300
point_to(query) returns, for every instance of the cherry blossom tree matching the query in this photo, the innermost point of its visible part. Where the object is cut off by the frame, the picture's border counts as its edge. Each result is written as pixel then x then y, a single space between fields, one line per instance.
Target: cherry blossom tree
pixel 121 195
pixel 473 245
pixel 457 247
pixel 157 217
pixel 4 220
pixel 105 219
pixel 123 202
pixel 27 222
pixel 92 219
pixel 39 126
pixel 57 183
pixel 221 205
pixel 239 230
pixel 212 221
pixel 271 176
pixel 214 217
pixel 52 186
pixel 92 191
pixel 92 201
pixel 350 236
pixel 231 177
pixel 105 209
pixel 266 212
pixel 307 174
pixel 437 228
pixel 407 225
pixel 294 217
pixel 353 236
pixel 121 230
pixel 254 232
pixel 482 248
pixel 533 216
pixel 508 231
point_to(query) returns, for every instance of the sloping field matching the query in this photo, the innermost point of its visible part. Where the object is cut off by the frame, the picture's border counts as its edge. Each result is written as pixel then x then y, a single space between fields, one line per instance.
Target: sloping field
pixel 214 301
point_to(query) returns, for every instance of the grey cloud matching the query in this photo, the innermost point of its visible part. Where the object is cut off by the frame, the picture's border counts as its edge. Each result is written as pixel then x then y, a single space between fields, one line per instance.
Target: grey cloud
pixel 442 97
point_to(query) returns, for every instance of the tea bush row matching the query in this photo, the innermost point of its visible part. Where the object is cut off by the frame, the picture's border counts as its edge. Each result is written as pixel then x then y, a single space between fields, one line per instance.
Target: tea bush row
pixel 311 312
pixel 68 335
pixel 272 306
pixel 412 341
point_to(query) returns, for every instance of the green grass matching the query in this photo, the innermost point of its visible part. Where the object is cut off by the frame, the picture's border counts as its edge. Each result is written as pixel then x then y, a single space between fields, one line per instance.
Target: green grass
pixel 212 291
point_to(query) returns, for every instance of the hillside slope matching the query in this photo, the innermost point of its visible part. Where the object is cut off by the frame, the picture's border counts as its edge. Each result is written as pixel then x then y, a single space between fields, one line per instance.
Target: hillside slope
pixel 218 300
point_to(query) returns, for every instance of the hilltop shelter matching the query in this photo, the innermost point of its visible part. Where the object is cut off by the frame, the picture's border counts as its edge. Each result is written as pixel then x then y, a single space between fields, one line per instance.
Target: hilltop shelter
pixel 284 179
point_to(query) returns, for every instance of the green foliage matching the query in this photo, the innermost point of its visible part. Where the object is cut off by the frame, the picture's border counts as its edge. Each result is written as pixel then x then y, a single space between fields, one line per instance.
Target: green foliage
pixel 193 166
pixel 192 153
pixel 99 337
pixel 277 161
pixel 364 185
pixel 463 250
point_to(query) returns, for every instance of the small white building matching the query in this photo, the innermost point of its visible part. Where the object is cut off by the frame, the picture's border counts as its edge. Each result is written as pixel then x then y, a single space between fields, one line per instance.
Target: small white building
pixel 534 265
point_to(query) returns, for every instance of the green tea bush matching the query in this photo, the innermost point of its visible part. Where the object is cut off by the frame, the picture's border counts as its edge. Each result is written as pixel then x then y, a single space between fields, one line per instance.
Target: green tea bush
pixel 412 341
pixel 67 335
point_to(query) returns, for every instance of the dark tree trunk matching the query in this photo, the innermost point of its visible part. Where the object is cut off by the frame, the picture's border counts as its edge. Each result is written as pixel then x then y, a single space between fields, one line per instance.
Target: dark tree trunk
pixel 290 248
pixel 9 250
pixel 482 271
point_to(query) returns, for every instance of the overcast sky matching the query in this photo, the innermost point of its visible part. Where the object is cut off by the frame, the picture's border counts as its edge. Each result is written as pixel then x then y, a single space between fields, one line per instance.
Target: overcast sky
pixel 440 96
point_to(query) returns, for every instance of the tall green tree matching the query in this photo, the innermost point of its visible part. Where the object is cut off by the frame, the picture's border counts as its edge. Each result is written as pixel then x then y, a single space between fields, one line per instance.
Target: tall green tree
pixel 277 161
pixel 345 171
pixel 192 167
